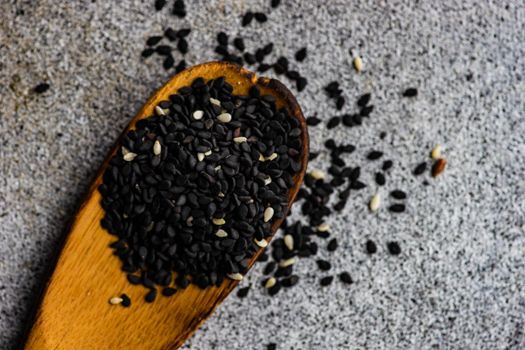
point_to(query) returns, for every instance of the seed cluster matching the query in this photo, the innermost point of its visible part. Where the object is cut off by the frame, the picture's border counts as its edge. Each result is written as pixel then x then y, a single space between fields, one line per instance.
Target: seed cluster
pixel 322 194
pixel 190 191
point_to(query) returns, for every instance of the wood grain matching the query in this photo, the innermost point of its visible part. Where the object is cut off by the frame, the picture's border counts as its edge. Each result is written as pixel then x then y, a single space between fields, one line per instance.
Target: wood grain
pixel 74 312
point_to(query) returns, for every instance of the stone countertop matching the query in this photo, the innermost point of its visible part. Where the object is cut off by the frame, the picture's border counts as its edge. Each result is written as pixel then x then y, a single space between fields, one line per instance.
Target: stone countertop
pixel 459 281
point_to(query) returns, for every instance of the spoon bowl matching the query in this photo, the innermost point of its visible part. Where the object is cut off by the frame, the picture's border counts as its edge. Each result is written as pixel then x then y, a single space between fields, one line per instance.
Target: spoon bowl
pixel 74 312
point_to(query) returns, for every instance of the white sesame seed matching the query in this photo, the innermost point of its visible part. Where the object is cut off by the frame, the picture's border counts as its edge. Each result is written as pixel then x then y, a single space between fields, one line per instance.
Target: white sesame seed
pixel 358 64
pixel 317 174
pixel 270 282
pixel 272 156
pixel 375 202
pixel 224 117
pixel 115 300
pixel 268 180
pixel 436 152
pixel 221 233
pixel 262 243
pixel 207 153
pixel 323 227
pixel 159 111
pixel 124 150
pixel 287 262
pixel 197 115
pixel 220 194
pixel 240 139
pixel 261 158
pixel 219 221
pixel 128 157
pixel 288 242
pixel 235 276
pixel 268 214
pixel 156 148
pixel 200 156
pixel 215 101
pixel 217 168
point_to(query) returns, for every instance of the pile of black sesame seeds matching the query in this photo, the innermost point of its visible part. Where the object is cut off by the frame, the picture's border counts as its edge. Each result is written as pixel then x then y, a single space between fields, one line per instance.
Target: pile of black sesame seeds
pixel 323 194
pixel 196 187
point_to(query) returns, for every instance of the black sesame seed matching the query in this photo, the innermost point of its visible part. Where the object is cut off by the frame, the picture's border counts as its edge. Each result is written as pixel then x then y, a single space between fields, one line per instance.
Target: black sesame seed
pixel 168 291
pixel 275 3
pixel 371 247
pixel 271 346
pixel 260 17
pixel 163 50
pixel 330 144
pixel 325 281
pixel 133 279
pixel 301 83
pixel 340 102
pixel 365 112
pixel 380 179
pixel 382 135
pixel 41 88
pixel 324 265
pixel 182 33
pixel 290 281
pixel 243 292
pixel 346 278
pixel 332 245
pixel 275 289
pixel 150 296
pixel 247 18
pixel 171 34
pixel 239 44
pixel 270 267
pixel 333 122
pixel 168 62
pixel 159 4
pixel 373 155
pixel 420 168
pixel 398 194
pixel 182 46
pixel 126 301
pixel 153 40
pixel 363 100
pixel 397 208
pixel 222 38
pixel 393 248
pixel 312 121
pixel 181 66
pixel 387 164
pixel 300 55
pixel 147 52
pixel 410 92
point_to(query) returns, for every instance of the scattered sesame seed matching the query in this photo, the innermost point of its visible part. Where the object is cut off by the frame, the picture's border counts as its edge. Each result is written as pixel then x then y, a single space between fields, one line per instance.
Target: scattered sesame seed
pixel 115 300
pixel 288 242
pixel 287 262
pixel 436 152
pixel 358 64
pixel 393 248
pixel 270 282
pixel 438 167
pixel 317 174
pixel 375 202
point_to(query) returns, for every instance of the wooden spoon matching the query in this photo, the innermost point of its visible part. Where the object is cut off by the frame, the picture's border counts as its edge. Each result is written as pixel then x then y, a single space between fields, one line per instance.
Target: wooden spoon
pixel 74 312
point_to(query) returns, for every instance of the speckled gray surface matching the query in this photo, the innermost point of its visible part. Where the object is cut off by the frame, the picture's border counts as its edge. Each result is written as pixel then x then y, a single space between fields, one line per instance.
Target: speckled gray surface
pixel 459 282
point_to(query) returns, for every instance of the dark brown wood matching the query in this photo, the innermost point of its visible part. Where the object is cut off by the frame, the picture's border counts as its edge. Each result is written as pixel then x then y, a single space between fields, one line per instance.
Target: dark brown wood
pixel 74 312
